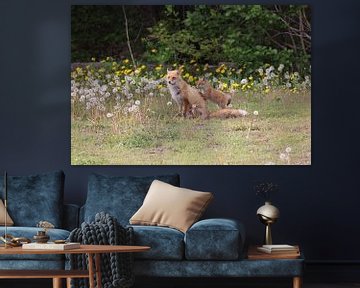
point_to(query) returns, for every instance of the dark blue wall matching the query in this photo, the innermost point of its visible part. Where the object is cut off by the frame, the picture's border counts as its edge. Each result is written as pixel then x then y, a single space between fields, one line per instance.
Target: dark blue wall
pixel 318 203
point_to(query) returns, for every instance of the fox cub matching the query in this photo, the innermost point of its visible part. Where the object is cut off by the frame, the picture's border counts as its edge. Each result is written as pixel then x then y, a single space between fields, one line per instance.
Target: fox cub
pixel 218 97
pixel 185 95
pixel 228 113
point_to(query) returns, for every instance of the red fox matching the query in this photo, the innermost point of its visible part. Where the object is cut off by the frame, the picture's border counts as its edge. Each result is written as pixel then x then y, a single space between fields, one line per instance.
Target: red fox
pixel 228 113
pixel 220 98
pixel 185 95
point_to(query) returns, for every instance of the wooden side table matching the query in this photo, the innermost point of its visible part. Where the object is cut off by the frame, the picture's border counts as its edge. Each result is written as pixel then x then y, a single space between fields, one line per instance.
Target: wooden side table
pixel 254 254
pixel 93 251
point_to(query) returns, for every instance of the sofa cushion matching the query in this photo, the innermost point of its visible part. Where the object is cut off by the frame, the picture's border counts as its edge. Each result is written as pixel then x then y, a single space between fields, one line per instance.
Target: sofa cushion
pixel 29 232
pixel 214 239
pixel 120 196
pixel 9 221
pixel 35 198
pixel 165 243
pixel 166 205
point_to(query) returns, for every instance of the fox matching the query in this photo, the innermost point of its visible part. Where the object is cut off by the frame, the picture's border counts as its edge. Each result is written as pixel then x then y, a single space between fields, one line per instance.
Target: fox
pixel 216 96
pixel 185 95
pixel 228 113
pixel 222 113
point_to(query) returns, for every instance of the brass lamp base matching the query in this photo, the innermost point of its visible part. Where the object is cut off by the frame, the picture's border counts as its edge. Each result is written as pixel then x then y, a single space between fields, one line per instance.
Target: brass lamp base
pixel 268 238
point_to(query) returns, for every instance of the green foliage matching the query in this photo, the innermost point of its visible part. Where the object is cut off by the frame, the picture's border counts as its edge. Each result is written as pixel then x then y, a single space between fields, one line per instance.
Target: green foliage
pixel 242 34
pixel 250 36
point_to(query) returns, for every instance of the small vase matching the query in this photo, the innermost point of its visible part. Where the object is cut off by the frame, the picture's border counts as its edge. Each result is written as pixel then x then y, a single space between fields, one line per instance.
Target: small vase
pixel 41 237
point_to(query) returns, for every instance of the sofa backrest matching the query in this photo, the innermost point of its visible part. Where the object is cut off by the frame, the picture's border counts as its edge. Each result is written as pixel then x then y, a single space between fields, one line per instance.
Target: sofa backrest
pixel 35 198
pixel 120 196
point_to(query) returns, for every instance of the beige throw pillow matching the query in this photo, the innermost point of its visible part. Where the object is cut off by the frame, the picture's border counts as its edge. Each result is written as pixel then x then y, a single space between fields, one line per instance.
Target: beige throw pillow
pixel 170 206
pixel 9 221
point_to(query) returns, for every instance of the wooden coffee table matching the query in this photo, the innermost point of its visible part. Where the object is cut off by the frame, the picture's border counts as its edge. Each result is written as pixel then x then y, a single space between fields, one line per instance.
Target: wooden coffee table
pixel 92 251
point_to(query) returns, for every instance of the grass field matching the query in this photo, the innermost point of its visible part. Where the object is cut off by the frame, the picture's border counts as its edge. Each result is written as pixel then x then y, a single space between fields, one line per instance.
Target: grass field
pixel 154 135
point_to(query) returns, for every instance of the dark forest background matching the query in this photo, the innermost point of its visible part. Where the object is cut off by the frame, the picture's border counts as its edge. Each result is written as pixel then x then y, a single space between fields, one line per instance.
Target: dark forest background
pixel 251 34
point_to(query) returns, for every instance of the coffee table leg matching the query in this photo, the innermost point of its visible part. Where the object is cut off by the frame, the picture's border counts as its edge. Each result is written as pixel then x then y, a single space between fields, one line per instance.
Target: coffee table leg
pixel 68 282
pixel 57 283
pixel 297 282
pixel 98 270
pixel 91 270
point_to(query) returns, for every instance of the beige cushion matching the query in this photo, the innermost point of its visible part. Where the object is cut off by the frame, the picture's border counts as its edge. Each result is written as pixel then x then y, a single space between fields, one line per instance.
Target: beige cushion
pixel 170 206
pixel 9 221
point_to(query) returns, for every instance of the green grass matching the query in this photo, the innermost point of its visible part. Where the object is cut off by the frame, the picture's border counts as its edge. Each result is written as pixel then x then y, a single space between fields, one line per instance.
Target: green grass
pixel 155 136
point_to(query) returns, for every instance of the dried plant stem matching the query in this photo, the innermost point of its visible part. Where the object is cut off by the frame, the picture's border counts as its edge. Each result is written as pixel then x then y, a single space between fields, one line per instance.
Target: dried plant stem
pixel 127 37
pixel 248 134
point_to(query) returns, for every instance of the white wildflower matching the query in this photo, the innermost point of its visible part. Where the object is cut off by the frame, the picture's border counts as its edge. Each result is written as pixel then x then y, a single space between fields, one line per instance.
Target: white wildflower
pixel 243 81
pixel 283 156
pixel 256 113
pixel 109 115
pixel 169 103
pixel 133 108
pixel 137 102
pixel 269 70
pixel 288 150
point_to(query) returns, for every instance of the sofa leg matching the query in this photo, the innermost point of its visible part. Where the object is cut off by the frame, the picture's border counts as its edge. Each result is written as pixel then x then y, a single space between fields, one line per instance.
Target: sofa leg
pixel 68 282
pixel 297 282
pixel 57 283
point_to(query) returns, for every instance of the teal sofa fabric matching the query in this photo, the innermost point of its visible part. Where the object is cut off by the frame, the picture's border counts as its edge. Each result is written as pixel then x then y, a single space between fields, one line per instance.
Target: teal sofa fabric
pixel 29 232
pixel 213 268
pixel 35 198
pixel 210 248
pixel 214 239
pixel 119 196
pixel 32 199
pixel 166 243
pixel 39 264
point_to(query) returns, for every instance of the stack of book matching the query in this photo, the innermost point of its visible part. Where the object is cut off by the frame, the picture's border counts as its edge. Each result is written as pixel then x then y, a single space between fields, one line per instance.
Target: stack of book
pixel 51 246
pixel 274 252
pixel 279 249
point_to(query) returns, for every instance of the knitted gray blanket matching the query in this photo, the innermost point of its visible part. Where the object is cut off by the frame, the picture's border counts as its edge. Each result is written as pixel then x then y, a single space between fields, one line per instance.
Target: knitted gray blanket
pixel 116 268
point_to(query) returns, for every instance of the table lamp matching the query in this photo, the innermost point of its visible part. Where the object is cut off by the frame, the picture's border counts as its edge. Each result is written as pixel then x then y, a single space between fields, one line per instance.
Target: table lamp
pixel 268 214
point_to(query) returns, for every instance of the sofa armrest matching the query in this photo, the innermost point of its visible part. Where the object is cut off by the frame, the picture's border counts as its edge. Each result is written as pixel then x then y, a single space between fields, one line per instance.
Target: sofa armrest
pixel 215 239
pixel 71 216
